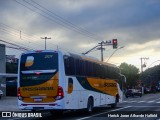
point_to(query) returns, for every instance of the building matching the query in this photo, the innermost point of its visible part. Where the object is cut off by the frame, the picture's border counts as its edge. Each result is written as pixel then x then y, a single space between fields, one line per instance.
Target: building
pixel 3 75
pixel 2 68
pixel 11 59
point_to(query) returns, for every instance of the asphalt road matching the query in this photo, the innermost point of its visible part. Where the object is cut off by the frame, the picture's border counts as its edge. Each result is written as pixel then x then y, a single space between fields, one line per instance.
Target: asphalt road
pixel 146 107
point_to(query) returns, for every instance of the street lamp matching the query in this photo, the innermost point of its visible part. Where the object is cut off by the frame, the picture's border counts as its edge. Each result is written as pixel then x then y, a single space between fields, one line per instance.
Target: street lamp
pixel 114 52
pixel 45 41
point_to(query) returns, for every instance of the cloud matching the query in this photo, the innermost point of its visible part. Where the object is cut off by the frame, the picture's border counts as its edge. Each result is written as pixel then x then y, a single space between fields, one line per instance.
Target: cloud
pixel 134 23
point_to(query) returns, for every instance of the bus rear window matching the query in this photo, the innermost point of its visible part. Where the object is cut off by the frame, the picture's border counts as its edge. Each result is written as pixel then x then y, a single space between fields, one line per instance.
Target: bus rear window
pixel 39 61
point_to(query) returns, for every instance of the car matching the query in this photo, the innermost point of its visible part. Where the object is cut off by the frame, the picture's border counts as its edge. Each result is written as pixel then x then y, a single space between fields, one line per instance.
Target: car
pixel 133 93
pixel 147 90
pixel 157 88
pixel 1 93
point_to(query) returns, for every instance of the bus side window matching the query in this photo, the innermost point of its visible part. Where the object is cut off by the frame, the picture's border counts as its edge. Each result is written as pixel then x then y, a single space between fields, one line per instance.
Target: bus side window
pixel 102 71
pixel 69 65
pixel 91 73
pixel 83 68
pixel 72 65
pixel 77 66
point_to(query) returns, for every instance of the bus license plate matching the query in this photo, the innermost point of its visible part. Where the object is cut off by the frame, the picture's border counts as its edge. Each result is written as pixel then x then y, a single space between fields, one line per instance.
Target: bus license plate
pixel 37 100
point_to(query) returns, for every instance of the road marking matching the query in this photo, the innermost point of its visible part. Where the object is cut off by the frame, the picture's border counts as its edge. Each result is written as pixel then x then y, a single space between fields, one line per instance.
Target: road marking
pixel 157 99
pixel 158 102
pixel 103 113
pixel 129 101
pixel 147 106
pixel 141 101
pixel 150 101
pixel 132 101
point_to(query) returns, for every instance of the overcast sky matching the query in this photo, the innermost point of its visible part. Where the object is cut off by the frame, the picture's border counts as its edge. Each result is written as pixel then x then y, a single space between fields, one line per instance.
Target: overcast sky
pixel 79 25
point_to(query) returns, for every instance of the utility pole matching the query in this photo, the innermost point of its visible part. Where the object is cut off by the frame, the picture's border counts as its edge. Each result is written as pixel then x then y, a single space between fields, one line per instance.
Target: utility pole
pixel 100 46
pixel 102 51
pixel 143 65
pixel 45 40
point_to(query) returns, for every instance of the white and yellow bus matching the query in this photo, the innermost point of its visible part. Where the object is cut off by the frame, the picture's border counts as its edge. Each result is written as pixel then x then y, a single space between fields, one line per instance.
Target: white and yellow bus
pixel 58 80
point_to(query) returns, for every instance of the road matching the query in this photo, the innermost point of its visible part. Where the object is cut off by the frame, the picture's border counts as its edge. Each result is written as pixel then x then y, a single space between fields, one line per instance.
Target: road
pixel 146 107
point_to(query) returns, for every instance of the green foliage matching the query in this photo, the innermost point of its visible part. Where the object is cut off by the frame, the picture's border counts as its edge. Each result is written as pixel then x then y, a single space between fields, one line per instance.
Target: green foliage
pixel 151 76
pixel 11 68
pixel 131 72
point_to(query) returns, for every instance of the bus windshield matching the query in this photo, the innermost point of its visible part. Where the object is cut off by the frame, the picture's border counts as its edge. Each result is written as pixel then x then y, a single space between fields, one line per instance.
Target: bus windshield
pixel 37 67
pixel 39 61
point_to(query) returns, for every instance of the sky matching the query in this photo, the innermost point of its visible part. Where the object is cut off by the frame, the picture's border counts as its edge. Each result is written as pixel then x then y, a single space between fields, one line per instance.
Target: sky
pixel 79 25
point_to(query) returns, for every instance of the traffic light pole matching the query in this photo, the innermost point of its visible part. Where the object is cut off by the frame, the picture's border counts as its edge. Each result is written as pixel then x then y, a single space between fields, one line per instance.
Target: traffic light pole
pixel 101 44
pixel 90 50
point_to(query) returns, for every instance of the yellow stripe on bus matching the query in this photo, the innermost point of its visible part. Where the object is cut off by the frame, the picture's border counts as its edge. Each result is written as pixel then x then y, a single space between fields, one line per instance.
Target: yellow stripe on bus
pixel 46 91
pixel 104 85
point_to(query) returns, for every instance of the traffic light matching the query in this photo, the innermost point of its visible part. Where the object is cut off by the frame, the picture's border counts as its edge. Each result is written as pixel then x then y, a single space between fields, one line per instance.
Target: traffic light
pixel 114 42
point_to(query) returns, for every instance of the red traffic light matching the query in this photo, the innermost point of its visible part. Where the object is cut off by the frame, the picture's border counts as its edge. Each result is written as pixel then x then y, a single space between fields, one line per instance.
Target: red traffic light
pixel 114 41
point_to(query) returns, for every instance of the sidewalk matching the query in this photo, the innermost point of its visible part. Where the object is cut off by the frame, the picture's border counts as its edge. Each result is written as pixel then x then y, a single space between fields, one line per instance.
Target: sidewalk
pixel 8 103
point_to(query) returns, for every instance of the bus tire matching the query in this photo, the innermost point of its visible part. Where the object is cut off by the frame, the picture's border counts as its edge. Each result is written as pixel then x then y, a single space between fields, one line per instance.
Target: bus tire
pixel 90 105
pixel 114 105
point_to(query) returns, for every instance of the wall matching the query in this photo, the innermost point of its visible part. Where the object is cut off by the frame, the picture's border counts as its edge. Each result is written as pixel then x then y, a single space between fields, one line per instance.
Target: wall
pixel 2 68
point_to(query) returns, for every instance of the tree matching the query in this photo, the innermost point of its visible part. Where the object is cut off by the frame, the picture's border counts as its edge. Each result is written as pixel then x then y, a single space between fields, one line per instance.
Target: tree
pixel 151 76
pixel 131 72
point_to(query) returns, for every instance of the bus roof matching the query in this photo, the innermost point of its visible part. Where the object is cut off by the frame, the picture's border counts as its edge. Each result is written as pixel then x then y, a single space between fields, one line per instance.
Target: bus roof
pixel 84 57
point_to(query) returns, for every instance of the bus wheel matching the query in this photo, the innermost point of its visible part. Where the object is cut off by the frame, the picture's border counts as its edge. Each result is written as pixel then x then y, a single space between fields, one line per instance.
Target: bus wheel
pixel 90 106
pixel 114 105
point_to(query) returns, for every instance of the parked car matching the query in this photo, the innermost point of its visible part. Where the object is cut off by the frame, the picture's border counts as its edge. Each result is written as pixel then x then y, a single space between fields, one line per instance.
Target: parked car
pixel 133 93
pixel 147 90
pixel 1 93
pixel 158 88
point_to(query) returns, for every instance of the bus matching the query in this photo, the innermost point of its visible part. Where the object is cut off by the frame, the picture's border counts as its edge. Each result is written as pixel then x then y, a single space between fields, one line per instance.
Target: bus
pixel 57 80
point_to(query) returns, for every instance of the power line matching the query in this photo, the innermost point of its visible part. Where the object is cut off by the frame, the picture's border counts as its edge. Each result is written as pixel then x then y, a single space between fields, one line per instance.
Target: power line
pixel 12 35
pixel 15 32
pixel 66 21
pixel 26 36
pixel 20 47
pixel 18 31
pixel 51 18
pixel 14 48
